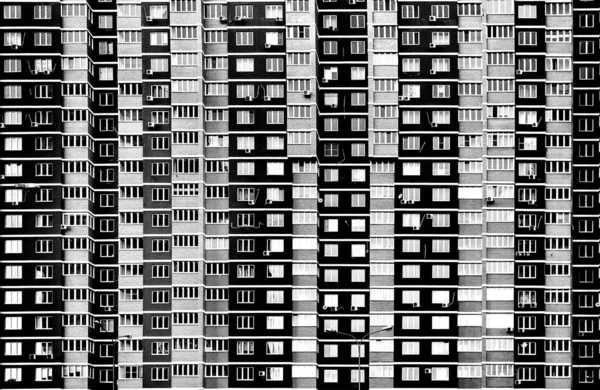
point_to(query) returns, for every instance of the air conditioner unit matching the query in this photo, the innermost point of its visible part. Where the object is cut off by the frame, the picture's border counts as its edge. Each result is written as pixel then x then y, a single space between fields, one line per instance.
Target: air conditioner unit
pixel 532 228
pixel 519 71
pixel 325 307
pixel 34 71
pixel 335 308
pixel 268 201
pixel 410 201
pixel 261 373
pixel 249 98
pixel 446 304
pixel 49 356
pixel 149 19
pixel 149 72
pixel 47 71
pixel 251 202
pixel 149 98
pixel 238 18
pixel 416 228
pixel 403 201
pixel 533 304
pixel 108 309
pixel 267 45
pixel 433 124
pixel 517 382
pixel 1 125
pixel 534 124
pixel 32 356
pixel 320 200
pixel 331 28
pixel 325 80
pixel 333 105
pixel 432 45
pixel 34 124
pixel 415 304
pixel 597 304
pixel 223 19
pixel 15 47
pixel 15 203
pixel 248 151
pixel 64 227
pixel 428 371
pixel 267 98
pixel 489 199
pixel 150 124
pixel 531 202
pixel 353 308
pixel 279 19
pixel 266 253
pixel 429 216
pixel 510 330
pixel 521 305
pixel 307 93
pixel 432 71
pixel 352 2
pixel 2 177
pixel 532 177
pixel 432 18
pixel 400 98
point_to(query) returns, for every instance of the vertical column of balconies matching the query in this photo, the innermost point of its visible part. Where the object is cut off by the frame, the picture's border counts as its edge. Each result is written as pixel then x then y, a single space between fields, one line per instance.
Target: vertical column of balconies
pixel 543 153
pixel 188 176
pixel 585 300
pixel 101 126
pixel 31 178
pixel 427 197
pixel 131 178
pixel 158 190
pixel 471 226
pixel 215 141
pixel 382 24
pixel 260 243
pixel 302 139
pixel 497 167
pixel 342 58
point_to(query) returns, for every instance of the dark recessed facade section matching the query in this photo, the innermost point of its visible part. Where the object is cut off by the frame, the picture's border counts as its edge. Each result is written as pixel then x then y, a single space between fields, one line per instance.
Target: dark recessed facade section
pixel 257 119
pixel 530 65
pixel 530 93
pixel 529 142
pixel 239 351
pixel 157 248
pixel 426 247
pixel 343 101
pixel 404 276
pixel 276 196
pixel 270 171
pixel 339 24
pixel 269 66
pixel 263 376
pixel 156 41
pixel 342 49
pixel 427 171
pixel 335 75
pixel 261 248
pixel 530 172
pixel 261 273
pixel 416 14
pixel 335 252
pixel 247 222
pixel 256 40
pixel 426 222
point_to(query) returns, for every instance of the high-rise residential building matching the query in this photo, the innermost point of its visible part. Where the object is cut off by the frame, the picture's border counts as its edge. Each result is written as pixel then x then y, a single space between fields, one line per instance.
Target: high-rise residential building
pixel 317 194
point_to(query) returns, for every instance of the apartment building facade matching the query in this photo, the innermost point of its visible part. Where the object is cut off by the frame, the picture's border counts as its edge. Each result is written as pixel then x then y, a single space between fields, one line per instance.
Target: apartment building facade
pixel 297 193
